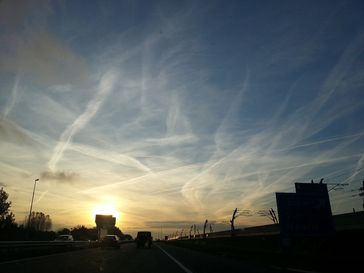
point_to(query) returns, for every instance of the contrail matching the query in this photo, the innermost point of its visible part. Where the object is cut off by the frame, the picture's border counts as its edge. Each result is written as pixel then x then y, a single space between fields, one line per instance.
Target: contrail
pixel 106 84
pixel 13 97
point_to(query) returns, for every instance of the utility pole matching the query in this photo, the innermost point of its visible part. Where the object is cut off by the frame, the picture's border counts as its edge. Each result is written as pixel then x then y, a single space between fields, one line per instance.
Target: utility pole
pixel 31 204
pixel 361 193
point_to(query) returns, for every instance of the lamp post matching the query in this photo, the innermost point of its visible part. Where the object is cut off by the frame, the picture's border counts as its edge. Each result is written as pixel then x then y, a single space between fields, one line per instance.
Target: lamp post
pixel 31 204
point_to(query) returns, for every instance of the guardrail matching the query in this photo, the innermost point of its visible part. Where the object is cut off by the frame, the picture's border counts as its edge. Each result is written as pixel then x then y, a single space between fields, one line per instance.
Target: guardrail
pixel 25 244
pixel 6 245
pixel 20 249
pixel 10 250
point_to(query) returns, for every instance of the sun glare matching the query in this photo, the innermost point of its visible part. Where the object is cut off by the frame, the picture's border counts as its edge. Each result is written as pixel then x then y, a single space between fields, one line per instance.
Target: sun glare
pixel 106 209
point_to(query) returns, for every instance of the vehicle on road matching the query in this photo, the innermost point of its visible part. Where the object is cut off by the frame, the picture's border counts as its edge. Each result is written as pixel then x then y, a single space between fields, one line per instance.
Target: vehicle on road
pixel 144 239
pixel 110 241
pixel 64 238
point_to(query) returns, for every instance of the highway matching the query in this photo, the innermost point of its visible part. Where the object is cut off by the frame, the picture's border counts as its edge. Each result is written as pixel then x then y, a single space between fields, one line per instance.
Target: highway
pixel 161 258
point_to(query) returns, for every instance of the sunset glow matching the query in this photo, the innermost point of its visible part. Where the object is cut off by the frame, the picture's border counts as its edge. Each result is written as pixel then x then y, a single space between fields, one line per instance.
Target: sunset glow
pixel 106 209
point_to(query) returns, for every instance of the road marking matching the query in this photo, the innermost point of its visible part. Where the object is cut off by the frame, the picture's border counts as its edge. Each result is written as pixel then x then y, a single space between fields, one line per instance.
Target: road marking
pixel 185 269
pixel 294 269
pixel 301 270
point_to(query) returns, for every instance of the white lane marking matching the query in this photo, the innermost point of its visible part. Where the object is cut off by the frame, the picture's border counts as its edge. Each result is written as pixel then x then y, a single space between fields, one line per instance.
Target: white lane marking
pixel 185 269
pixel 301 270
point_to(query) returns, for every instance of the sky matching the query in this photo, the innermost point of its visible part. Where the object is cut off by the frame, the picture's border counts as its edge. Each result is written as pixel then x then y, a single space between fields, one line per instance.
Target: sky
pixel 167 113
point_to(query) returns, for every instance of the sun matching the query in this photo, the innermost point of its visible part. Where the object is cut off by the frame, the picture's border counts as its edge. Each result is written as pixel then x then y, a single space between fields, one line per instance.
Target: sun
pixel 106 209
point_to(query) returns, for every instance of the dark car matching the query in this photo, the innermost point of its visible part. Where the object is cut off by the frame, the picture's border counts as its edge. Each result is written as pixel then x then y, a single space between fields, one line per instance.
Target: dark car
pixel 144 239
pixel 110 241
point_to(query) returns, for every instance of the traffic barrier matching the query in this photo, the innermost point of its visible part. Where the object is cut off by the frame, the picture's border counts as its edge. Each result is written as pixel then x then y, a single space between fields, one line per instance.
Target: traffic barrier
pixel 10 250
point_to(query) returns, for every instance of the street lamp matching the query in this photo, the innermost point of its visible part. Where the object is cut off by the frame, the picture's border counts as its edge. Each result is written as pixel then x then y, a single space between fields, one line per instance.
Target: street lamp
pixel 31 204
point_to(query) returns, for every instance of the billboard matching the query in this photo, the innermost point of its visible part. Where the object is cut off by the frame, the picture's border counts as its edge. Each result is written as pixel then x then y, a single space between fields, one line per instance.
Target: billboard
pixel 306 212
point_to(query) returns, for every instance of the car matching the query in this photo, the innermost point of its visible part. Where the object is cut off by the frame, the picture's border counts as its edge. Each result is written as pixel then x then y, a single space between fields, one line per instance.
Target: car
pixel 110 241
pixel 64 238
pixel 144 238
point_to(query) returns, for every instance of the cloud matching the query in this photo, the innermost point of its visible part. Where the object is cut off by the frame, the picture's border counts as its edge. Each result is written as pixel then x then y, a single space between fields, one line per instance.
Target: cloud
pixel 231 145
pixel 105 87
pixel 11 132
pixel 42 57
pixel 169 224
pixel 60 176
pixel 173 140
pixel 173 226
pixel 13 12
pixel 13 97
pixel 30 50
pixel 61 88
pixel 109 156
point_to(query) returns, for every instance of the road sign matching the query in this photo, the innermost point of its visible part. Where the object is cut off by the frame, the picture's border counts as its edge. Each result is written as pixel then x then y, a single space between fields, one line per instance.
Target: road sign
pixel 306 212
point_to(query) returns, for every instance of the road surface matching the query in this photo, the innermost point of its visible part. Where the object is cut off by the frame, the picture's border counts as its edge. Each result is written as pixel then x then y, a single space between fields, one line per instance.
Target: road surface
pixel 161 258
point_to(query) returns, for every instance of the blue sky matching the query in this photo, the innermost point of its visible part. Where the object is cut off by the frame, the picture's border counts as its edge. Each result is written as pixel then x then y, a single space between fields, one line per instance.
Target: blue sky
pixel 173 112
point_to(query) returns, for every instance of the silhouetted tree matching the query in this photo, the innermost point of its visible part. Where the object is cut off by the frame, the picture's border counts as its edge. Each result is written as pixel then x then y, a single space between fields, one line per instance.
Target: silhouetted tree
pixel 83 233
pixel 39 221
pixel 7 219
pixel 232 222
pixel 128 237
pixel 64 231
pixel 271 214
pixel 204 228
pixel 115 231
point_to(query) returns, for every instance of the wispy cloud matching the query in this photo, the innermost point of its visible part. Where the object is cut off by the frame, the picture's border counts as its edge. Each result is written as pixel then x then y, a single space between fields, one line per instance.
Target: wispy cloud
pixel 10 132
pixel 13 97
pixel 105 87
pixel 32 50
pixel 264 149
pixel 171 224
pixel 109 156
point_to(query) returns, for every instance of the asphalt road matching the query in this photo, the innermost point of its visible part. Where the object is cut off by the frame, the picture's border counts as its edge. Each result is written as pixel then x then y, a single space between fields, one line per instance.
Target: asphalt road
pixel 160 258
